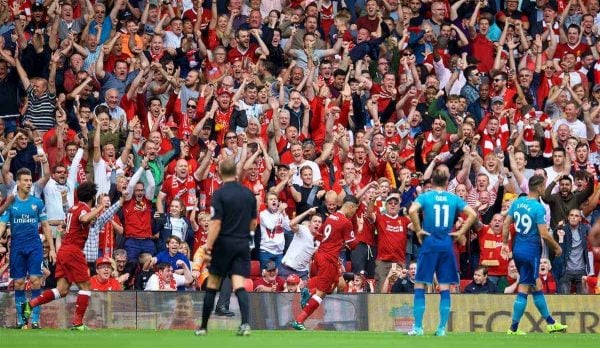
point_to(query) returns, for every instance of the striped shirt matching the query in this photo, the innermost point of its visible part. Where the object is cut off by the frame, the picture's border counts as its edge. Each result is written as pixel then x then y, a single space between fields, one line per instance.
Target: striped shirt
pixel 90 248
pixel 40 110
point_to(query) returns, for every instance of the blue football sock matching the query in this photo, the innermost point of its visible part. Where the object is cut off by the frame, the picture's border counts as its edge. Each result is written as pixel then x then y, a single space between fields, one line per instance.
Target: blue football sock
pixel 518 310
pixel 19 300
pixel 445 304
pixel 540 303
pixel 419 307
pixel 35 314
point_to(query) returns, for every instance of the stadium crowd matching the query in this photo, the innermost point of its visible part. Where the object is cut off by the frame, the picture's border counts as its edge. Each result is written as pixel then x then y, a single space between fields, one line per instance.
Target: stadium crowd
pixel 314 100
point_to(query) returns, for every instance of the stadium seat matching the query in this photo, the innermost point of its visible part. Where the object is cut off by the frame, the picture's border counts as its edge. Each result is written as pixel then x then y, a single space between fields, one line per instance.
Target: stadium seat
pixel 255 271
pixel 348 266
pixel 463 284
pixel 249 285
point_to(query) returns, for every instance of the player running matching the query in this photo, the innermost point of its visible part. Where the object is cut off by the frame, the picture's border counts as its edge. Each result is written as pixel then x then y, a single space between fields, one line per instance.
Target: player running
pixel 528 215
pixel 335 232
pixel 440 210
pixel 71 265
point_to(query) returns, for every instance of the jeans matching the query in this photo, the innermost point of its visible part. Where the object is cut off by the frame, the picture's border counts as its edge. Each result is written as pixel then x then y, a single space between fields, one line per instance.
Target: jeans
pixel 135 247
pixel 567 280
pixel 266 256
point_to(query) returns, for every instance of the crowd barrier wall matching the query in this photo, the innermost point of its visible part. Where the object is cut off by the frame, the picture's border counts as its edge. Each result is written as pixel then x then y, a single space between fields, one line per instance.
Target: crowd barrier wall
pixel 343 312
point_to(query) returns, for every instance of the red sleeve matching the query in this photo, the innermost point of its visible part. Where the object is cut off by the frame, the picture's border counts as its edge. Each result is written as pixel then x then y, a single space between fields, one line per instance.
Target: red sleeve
pixel 142 113
pixel 316 106
pixel 46 139
pixel 483 123
pixel 344 114
pixel 171 105
pixel 200 106
pixel 130 107
pixel 69 81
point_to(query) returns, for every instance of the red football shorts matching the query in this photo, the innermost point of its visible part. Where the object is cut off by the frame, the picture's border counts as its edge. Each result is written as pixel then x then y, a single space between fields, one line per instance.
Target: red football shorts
pixel 71 264
pixel 328 273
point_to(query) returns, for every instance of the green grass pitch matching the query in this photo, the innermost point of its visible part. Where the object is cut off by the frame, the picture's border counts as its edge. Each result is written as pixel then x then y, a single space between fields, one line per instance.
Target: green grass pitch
pixel 104 338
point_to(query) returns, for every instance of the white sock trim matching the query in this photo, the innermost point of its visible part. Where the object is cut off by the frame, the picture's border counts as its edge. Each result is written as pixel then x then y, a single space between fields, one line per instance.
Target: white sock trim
pixel 56 293
pixel 317 298
pixel 85 293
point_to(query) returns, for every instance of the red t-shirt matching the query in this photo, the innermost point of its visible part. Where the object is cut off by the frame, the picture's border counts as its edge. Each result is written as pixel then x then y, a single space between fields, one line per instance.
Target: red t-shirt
pixel 112 284
pixel 51 149
pixel 76 232
pixel 483 49
pixel 490 246
pixel 250 54
pixel 174 187
pixel 280 283
pixel 335 232
pixel 367 234
pixel 137 218
pixel 392 232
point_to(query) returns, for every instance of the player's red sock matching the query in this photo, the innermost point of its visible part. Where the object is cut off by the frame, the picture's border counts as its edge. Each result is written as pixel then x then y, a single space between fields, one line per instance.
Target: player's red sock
pixel 45 297
pixel 311 306
pixel 83 299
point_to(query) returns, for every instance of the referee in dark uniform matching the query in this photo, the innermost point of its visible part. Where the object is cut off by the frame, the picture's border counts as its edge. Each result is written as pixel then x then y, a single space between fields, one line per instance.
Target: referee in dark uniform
pixel 233 216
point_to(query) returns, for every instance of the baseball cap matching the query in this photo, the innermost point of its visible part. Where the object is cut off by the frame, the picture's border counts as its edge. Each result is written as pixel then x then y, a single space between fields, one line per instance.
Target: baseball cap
pixel 497 99
pixel 224 91
pixel 596 88
pixel 37 7
pixel 103 261
pixel 293 279
pixel 392 196
pixel 271 266
pixel 171 124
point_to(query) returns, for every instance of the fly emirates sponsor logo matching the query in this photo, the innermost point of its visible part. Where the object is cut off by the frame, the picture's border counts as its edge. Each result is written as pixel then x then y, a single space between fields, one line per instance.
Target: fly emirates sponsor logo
pixel 25 219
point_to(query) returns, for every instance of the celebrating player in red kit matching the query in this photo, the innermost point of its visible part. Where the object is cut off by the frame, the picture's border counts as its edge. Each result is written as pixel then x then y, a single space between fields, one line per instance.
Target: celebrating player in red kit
pixel 335 233
pixel 71 266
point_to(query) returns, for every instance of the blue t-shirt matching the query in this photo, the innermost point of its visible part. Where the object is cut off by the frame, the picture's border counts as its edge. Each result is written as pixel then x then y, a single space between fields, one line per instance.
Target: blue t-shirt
pixel 164 256
pixel 440 209
pixel 527 213
pixel 24 217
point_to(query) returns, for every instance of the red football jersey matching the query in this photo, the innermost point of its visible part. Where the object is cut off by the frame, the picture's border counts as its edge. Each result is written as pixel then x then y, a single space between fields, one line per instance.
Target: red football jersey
pixel 392 232
pixel 77 232
pixel 174 187
pixel 335 232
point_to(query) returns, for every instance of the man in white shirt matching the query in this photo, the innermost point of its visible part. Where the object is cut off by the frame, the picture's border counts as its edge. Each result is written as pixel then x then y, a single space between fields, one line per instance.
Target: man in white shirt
pixel 165 280
pixel 59 193
pixel 173 37
pixel 301 249
pixel 299 162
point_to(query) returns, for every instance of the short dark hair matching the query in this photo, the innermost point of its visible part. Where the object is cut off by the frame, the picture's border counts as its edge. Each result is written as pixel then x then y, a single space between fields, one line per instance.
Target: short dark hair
pixel 351 199
pixel 162 266
pixel 536 181
pixel 87 191
pixel 23 171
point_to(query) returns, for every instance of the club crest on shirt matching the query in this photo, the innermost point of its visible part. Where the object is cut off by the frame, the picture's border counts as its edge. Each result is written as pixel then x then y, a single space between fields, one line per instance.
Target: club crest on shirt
pixel 34 207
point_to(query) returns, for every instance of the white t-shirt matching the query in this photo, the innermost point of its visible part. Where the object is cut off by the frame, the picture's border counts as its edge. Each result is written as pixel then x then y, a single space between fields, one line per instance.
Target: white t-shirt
pixel 102 174
pixel 272 226
pixel 301 250
pixel 577 127
pixel 297 179
pixel 153 283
